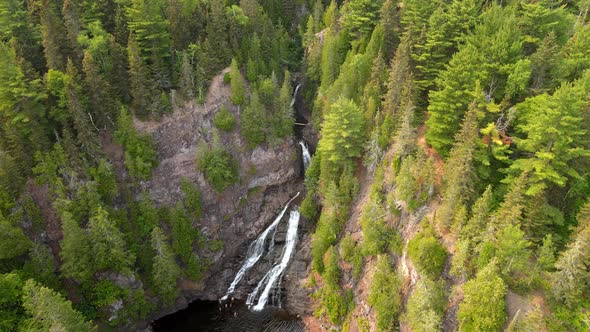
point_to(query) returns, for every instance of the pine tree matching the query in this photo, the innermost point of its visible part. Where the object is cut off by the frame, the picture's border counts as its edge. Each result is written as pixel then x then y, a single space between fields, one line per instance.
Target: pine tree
pixel 109 250
pixel 22 114
pixel 460 168
pixel 72 19
pixel 150 28
pixel 217 39
pixel 252 125
pixel 342 132
pixel 186 81
pixel 449 103
pixel 446 25
pixel 13 241
pixel 51 311
pixel 86 136
pixel 237 84
pixel 284 113
pixel 75 250
pixel 54 36
pixel 553 135
pixel 183 233
pixel 143 89
pixel 572 278
pixel 165 269
pixel 100 96
pixel 483 307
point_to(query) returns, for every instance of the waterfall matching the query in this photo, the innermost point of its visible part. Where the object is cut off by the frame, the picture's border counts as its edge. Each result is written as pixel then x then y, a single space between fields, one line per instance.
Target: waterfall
pixel 256 250
pixel 276 272
pixel 305 154
pixel 295 95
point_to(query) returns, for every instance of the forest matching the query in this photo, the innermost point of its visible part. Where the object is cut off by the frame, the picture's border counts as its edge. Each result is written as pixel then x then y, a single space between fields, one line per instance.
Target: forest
pixel 449 189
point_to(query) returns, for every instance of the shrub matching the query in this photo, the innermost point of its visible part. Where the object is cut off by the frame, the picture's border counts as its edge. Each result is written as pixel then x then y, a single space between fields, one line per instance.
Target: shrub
pixel 227 78
pixel 426 306
pixel 384 294
pixel 192 198
pixel 427 254
pixel 224 120
pixel 219 167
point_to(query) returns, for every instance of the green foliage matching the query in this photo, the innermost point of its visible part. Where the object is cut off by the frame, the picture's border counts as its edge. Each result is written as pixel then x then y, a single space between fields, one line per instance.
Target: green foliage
pixel 553 135
pixel 140 152
pixel 50 311
pixel 224 119
pixel 426 306
pixel 427 254
pixel 108 248
pixel 75 250
pixel 219 167
pixel 237 84
pixel 192 198
pixel 384 294
pixel 483 307
pixel 377 234
pixel 11 310
pixel 13 242
pixel 342 132
pixel 251 125
pixel 166 271
pixel 105 179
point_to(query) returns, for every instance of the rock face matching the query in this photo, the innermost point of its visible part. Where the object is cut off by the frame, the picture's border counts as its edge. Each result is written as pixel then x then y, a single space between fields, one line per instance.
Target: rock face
pixel 269 176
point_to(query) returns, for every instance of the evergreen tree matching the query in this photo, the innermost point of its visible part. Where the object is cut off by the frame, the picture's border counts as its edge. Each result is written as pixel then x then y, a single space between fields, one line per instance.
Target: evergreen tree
pixel 72 20
pixel 109 250
pixel 460 168
pixel 285 118
pixel 449 102
pixel 217 39
pixel 342 132
pixel 183 233
pixel 384 294
pixel 572 278
pixel 143 88
pixel 150 29
pixel 186 81
pixel 13 241
pixel 483 307
pixel 553 135
pixel 237 84
pixel 22 114
pixel 166 271
pixel 85 127
pixel 75 250
pixel 50 311
pixel 54 35
pixel 100 97
pixel 252 125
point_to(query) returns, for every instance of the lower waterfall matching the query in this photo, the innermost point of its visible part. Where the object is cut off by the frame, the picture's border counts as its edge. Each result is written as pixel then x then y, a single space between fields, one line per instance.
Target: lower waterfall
pixel 256 250
pixel 276 272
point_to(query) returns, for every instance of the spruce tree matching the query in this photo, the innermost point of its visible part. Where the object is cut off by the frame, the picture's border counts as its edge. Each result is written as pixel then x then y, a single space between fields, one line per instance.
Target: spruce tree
pixel 54 35
pixel 75 250
pixel 84 124
pixel 483 307
pixel 165 269
pixel 237 84
pixel 252 125
pixel 109 250
pixel 50 311
pixel 460 168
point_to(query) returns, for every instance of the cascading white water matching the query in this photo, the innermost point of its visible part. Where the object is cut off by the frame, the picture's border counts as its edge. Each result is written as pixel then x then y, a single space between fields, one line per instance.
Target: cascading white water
pixel 305 154
pixel 295 94
pixel 276 272
pixel 256 250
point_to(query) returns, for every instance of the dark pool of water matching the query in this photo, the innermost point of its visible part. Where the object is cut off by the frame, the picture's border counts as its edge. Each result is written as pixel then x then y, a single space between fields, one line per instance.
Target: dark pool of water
pixel 211 316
